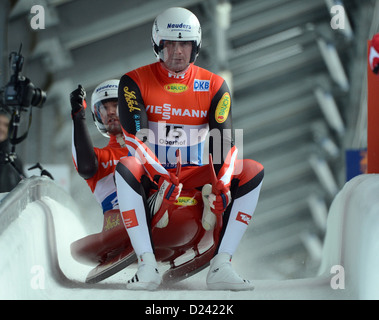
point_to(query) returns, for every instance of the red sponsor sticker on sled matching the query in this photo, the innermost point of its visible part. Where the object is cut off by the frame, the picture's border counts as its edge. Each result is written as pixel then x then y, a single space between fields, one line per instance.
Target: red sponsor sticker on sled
pixel 243 217
pixel 130 219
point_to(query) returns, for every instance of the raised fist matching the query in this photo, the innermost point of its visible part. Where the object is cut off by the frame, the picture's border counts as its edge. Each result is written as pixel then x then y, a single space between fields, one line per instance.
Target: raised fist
pixel 77 100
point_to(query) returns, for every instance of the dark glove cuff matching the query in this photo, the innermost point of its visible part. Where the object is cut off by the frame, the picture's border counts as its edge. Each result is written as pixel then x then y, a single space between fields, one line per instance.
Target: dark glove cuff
pixel 78 114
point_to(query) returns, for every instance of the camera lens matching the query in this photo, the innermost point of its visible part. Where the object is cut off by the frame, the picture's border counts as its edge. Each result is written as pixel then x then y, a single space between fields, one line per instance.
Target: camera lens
pixel 38 98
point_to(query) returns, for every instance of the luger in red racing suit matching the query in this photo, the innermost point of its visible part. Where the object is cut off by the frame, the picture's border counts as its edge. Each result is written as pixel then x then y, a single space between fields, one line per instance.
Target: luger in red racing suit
pixel 161 112
pixel 97 165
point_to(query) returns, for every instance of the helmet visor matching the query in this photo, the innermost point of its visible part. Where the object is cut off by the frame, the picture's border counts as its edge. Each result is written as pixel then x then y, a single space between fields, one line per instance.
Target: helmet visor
pixel 106 116
pixel 177 55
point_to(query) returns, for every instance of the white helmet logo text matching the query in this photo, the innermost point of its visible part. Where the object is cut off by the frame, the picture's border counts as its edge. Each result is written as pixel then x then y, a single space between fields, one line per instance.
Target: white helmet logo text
pixel 178 26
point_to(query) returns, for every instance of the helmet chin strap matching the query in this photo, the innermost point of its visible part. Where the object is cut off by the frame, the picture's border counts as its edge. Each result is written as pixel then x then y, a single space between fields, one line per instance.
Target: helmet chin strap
pixel 182 71
pixel 177 73
pixel 120 140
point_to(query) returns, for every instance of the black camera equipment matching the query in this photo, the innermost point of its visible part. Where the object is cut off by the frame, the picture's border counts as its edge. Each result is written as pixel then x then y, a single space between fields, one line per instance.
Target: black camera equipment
pixel 19 95
pixel 20 91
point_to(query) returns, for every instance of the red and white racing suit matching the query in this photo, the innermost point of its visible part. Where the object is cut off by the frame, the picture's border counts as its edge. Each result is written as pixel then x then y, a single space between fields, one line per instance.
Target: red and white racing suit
pixel 97 165
pixel 161 112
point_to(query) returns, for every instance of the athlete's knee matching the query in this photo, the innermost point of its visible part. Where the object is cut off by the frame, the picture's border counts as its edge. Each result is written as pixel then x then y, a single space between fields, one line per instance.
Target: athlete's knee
pixel 249 178
pixel 129 162
pixel 130 166
pixel 248 169
pixel 253 168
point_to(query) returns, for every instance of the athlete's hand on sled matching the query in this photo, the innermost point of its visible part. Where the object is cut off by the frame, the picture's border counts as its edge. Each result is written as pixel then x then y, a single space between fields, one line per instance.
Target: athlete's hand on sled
pixel 220 196
pixel 169 190
pixel 219 201
pixel 77 100
pixel 216 198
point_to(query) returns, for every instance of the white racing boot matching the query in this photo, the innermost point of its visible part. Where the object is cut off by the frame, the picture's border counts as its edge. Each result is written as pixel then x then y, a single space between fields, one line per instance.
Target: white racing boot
pixel 147 276
pixel 221 275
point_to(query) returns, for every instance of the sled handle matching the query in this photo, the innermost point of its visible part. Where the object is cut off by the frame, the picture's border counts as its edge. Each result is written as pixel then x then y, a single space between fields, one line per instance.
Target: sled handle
pixel 178 162
pixel 217 185
pixel 174 178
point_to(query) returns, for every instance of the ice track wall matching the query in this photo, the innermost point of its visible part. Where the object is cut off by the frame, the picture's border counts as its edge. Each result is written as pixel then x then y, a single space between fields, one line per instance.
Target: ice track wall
pixel 30 254
pixel 352 237
pixel 38 221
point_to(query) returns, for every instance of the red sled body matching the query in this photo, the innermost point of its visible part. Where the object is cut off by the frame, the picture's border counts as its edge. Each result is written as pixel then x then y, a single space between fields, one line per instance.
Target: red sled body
pixel 183 243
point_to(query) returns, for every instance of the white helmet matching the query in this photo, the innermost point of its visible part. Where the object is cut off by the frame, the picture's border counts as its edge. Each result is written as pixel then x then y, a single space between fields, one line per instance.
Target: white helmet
pixel 176 24
pixel 104 91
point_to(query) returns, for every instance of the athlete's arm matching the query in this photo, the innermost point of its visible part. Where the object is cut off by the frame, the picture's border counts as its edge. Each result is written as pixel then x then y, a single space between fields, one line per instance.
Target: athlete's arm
pixel 220 124
pixel 134 121
pixel 83 154
pixel 132 112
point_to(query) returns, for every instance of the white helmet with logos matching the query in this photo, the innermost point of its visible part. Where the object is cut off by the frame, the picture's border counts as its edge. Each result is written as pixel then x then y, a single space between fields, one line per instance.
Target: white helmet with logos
pixel 105 91
pixel 176 24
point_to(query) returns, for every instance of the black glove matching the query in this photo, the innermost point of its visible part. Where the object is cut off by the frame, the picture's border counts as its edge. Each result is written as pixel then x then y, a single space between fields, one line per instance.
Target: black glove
pixel 77 100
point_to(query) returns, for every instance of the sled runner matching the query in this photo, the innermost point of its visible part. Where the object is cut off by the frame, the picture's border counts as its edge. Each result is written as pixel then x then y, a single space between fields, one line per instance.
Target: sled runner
pixel 109 249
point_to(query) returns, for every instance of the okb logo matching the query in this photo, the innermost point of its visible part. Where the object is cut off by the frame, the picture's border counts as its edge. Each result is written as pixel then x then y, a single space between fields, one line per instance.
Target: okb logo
pixel 201 85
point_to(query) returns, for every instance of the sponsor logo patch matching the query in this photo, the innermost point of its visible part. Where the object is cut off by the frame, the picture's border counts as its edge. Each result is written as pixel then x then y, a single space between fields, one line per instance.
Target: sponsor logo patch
pixel 130 98
pixel 223 108
pixel 175 87
pixel 112 222
pixel 108 86
pixel 178 26
pixel 167 111
pixel 243 217
pixel 130 218
pixel 201 85
pixel 186 201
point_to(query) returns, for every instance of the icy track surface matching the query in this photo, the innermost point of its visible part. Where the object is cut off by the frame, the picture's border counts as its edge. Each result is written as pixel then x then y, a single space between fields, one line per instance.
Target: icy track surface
pixel 39 221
